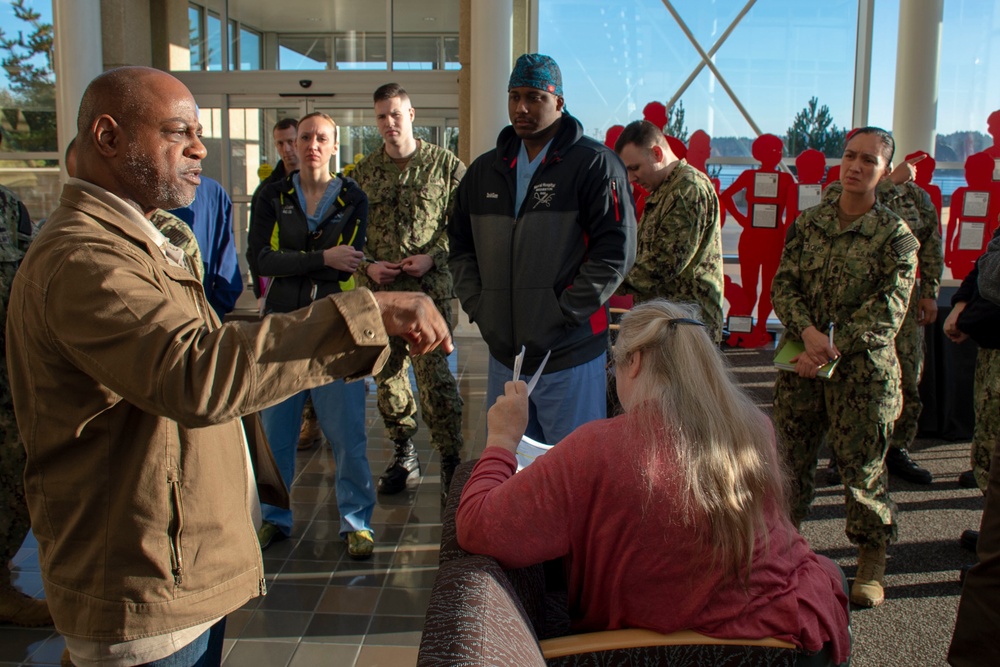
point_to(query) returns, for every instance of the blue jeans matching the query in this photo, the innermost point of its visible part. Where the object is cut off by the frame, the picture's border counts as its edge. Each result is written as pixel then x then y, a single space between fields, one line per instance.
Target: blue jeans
pixel 205 651
pixel 340 410
pixel 561 402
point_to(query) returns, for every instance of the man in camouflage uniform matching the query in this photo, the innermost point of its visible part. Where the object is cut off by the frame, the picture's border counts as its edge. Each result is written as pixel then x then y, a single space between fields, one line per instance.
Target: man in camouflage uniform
pixel 411 185
pixel 846 274
pixel 679 251
pixel 15 607
pixel 909 201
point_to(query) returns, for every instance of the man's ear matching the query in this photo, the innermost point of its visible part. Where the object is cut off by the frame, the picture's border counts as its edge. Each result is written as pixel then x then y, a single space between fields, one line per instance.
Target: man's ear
pixel 560 102
pixel 107 135
pixel 657 153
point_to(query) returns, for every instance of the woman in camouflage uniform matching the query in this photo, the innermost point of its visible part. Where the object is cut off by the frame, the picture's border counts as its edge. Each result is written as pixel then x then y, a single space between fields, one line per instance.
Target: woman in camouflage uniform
pixel 842 289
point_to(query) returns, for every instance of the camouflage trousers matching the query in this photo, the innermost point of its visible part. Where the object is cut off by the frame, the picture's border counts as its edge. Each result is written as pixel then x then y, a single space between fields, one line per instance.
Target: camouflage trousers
pixel 806 412
pixel 986 392
pixel 440 402
pixel 910 352
pixel 14 520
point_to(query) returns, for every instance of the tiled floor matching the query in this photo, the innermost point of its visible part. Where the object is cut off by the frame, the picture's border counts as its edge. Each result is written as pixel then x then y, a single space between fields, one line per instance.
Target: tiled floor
pixel 322 608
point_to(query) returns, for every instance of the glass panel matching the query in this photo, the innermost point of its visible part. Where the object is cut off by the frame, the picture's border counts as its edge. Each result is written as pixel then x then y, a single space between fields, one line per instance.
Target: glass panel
pixel 213 60
pixel 303 52
pixel 27 81
pixel 331 35
pixel 196 36
pixel 211 123
pixel 780 55
pixel 361 51
pixel 38 187
pixel 234 47
pixel 425 34
pixel 249 50
pixel 246 137
pixel 881 96
pixel 970 60
pixel 204 35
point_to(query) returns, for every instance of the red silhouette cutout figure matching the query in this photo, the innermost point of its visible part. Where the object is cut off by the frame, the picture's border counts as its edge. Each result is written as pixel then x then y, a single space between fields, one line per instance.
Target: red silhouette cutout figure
pixel 767 190
pixel 809 165
pixel 993 127
pixel 676 145
pixel 699 149
pixel 655 113
pixel 925 172
pixel 638 193
pixel 975 210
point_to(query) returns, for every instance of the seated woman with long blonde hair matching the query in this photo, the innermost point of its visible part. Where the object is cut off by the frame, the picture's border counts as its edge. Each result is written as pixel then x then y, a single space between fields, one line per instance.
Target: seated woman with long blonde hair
pixel 669 517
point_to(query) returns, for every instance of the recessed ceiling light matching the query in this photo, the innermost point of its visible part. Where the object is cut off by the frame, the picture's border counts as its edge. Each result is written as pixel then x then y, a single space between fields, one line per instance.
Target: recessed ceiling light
pixel 430 18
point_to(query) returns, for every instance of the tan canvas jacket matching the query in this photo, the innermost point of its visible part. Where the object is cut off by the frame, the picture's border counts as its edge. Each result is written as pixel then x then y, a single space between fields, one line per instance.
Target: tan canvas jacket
pixel 128 393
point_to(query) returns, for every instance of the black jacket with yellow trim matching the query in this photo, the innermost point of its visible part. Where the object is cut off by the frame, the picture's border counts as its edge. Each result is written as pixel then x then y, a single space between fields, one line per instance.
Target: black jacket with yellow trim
pixel 292 256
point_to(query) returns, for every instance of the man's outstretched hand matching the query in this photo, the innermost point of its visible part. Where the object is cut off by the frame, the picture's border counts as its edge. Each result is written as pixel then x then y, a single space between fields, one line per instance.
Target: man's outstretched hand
pixel 413 316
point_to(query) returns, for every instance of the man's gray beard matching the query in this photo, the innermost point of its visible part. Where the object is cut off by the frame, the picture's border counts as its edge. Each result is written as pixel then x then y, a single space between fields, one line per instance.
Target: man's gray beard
pixel 143 179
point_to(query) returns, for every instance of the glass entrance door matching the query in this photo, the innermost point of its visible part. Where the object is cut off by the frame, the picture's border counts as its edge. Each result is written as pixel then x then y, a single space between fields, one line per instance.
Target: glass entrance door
pixel 241 152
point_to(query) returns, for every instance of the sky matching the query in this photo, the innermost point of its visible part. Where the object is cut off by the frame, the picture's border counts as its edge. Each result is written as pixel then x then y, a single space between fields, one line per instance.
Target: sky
pixel 779 55
pixel 617 56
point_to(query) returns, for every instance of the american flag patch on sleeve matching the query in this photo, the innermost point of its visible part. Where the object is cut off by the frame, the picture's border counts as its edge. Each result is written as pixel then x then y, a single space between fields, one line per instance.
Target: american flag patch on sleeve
pixel 904 245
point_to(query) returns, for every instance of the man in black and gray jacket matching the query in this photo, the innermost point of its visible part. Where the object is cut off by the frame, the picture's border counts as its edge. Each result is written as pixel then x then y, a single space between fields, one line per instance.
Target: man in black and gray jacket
pixel 543 233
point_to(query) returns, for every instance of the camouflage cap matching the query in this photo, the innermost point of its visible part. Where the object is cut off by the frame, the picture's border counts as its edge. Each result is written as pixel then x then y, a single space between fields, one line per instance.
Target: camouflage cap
pixel 535 70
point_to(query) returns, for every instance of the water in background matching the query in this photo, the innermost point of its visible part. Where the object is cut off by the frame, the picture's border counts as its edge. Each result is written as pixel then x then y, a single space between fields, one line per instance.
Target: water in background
pixel 946 179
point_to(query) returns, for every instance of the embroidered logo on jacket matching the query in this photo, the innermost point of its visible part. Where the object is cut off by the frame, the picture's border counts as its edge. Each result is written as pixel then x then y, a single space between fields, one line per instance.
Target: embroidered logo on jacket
pixel 543 194
pixel 492 195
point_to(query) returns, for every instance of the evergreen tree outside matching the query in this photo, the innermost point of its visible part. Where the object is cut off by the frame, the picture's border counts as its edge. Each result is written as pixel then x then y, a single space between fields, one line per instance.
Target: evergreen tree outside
pixel 813 127
pixel 29 102
pixel 675 126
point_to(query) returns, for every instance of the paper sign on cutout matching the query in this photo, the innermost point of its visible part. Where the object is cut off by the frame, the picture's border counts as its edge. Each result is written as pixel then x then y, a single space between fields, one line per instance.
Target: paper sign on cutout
pixel 765 216
pixel 976 204
pixel 810 195
pixel 765 185
pixel 971 236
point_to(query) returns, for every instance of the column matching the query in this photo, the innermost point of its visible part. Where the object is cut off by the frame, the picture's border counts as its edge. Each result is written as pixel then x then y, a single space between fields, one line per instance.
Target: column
pixel 492 57
pixel 918 54
pixel 78 59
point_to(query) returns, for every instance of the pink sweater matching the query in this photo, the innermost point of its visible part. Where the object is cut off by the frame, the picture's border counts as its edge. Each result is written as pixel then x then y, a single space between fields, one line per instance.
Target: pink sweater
pixel 633 564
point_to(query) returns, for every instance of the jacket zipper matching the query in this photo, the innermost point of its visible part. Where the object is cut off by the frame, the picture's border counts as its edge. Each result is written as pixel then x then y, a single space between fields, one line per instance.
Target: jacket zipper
pixel 176 527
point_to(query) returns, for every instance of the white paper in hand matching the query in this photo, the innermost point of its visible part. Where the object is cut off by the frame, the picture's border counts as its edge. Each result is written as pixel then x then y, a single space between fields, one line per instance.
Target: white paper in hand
pixel 528 450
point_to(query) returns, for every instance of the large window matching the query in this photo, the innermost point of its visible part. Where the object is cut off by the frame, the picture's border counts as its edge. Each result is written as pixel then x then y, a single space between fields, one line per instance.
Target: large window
pixel 29 157
pixel 205 40
pixel 332 35
pixel 776 57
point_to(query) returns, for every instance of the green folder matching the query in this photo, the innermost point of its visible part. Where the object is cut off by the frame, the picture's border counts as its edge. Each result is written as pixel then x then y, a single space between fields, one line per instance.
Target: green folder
pixel 793 348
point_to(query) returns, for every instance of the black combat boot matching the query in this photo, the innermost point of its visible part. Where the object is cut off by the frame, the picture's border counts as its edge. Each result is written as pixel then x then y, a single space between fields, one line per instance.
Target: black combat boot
pixel 404 466
pixel 899 463
pixel 448 464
